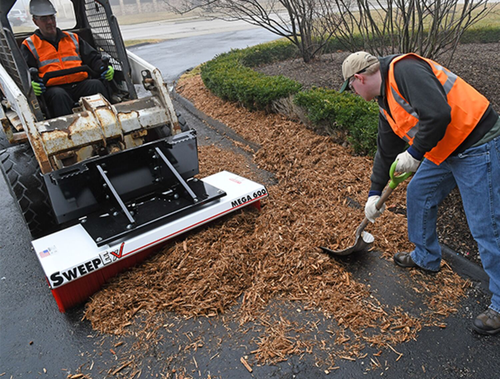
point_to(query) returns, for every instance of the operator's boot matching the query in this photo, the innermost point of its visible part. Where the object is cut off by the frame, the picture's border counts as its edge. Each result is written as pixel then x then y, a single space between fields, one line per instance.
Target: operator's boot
pixel 487 323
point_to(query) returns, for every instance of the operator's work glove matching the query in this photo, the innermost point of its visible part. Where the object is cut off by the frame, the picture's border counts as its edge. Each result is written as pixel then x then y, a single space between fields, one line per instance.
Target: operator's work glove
pixel 38 88
pixel 108 74
pixel 371 211
pixel 408 161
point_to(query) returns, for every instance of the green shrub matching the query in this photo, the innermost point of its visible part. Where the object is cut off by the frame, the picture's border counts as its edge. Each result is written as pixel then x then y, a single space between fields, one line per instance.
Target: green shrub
pixel 481 35
pixel 267 53
pixel 344 113
pixel 229 79
pixel 363 134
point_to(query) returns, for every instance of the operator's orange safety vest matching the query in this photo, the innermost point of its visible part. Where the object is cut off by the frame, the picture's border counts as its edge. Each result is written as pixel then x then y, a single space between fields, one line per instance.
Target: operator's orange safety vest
pixel 467 108
pixel 49 59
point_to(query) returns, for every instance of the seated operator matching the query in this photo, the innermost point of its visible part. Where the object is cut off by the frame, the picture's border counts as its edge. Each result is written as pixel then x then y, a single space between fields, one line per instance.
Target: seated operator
pixel 51 49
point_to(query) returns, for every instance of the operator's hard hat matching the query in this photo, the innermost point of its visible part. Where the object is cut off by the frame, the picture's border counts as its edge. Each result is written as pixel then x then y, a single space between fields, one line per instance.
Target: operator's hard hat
pixel 42 8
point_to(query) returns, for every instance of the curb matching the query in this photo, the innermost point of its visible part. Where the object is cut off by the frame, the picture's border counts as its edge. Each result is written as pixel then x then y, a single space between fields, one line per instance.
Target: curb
pixel 465 267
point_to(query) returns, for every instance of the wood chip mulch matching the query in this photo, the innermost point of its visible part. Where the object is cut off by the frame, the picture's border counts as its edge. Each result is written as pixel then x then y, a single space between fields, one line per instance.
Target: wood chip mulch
pixel 250 258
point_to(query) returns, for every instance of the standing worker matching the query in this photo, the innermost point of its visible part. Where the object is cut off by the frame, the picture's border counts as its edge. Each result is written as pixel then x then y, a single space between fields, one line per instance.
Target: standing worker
pixel 454 139
pixel 50 49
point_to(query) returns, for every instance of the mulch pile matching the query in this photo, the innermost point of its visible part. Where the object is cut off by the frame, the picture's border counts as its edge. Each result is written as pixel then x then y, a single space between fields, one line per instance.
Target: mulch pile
pixel 250 258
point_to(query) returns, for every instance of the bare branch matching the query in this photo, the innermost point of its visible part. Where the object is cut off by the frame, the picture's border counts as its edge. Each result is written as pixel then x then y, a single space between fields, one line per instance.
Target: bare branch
pixel 308 24
pixel 427 27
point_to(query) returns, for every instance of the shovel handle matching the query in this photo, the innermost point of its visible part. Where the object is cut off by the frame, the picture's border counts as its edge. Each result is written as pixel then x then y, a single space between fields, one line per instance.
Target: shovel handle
pixel 363 225
pixel 395 180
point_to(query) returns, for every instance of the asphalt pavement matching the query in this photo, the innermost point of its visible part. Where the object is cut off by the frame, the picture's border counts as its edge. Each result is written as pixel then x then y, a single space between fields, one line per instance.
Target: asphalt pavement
pixel 174 56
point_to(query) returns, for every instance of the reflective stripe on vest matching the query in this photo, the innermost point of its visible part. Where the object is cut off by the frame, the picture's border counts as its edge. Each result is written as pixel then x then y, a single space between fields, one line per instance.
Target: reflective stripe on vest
pixel 49 59
pixel 467 108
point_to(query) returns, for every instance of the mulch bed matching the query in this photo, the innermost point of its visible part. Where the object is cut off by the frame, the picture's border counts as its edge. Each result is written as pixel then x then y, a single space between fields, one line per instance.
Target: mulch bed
pixel 251 258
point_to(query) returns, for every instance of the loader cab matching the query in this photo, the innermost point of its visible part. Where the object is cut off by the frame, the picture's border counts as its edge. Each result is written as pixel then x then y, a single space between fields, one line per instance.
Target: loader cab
pixel 91 20
pixel 97 126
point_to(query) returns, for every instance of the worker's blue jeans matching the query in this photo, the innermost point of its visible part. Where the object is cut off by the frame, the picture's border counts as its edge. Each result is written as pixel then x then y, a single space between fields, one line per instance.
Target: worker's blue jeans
pixel 476 171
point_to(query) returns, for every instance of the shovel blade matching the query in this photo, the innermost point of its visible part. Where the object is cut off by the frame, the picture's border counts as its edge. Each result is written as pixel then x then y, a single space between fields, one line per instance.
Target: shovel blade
pixel 363 243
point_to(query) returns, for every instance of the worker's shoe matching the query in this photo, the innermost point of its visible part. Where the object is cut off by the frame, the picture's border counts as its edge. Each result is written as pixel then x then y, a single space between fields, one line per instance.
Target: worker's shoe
pixel 487 323
pixel 405 260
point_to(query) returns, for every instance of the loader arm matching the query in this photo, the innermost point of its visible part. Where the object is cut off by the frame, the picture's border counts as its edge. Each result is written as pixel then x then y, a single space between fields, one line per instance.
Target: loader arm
pixel 150 77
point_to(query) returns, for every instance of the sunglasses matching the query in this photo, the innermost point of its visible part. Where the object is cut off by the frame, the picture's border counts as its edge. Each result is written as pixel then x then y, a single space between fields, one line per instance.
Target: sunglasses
pixel 353 78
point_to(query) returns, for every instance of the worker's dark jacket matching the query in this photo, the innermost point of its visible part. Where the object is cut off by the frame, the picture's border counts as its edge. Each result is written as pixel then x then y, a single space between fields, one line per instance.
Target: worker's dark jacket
pixel 66 51
pixel 422 90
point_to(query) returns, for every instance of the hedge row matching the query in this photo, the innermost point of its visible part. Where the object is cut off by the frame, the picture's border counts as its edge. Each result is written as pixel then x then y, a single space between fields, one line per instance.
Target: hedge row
pixel 483 34
pixel 230 77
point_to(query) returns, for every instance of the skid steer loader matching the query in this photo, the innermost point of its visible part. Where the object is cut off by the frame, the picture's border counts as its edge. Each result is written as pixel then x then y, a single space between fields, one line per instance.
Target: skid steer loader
pixel 102 187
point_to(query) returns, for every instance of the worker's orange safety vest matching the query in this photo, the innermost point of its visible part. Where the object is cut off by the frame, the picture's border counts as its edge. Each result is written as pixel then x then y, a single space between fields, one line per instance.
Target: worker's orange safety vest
pixel 49 59
pixel 467 108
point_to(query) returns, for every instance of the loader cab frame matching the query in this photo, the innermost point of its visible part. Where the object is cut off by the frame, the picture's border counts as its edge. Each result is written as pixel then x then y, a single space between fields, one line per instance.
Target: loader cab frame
pixel 94 22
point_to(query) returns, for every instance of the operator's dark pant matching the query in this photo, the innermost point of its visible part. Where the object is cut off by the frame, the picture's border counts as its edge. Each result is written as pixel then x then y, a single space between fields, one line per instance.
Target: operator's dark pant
pixel 61 99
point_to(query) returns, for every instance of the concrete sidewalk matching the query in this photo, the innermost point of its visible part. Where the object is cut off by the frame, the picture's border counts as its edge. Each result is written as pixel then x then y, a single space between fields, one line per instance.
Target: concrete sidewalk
pixel 38 341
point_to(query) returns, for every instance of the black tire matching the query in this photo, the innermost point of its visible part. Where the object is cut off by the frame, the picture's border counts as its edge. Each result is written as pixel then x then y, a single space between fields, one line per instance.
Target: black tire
pixel 22 175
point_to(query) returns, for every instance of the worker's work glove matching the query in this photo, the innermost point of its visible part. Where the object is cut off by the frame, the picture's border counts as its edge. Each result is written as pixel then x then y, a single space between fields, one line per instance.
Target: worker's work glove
pixel 371 211
pixel 108 74
pixel 38 88
pixel 407 162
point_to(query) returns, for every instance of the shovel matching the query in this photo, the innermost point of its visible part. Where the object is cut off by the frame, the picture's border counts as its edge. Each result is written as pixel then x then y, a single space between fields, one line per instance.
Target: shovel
pixel 364 240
